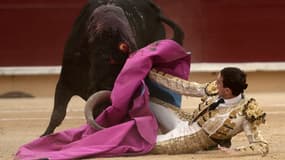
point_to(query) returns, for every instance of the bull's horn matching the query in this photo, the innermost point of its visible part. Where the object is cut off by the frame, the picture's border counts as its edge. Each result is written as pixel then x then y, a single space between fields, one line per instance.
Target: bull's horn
pixel 94 100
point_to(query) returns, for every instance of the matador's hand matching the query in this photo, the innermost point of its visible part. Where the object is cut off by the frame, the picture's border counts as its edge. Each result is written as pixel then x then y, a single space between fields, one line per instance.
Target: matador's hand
pixel 227 150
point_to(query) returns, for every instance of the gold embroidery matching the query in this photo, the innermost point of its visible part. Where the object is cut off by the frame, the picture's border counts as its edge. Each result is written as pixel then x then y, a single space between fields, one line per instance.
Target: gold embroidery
pixel 201 110
pixel 211 89
pixel 184 144
pixel 234 113
pixel 253 112
pixel 177 84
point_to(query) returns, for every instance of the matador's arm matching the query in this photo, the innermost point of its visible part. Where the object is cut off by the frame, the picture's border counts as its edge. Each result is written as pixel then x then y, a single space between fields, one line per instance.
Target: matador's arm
pixel 182 86
pixel 255 116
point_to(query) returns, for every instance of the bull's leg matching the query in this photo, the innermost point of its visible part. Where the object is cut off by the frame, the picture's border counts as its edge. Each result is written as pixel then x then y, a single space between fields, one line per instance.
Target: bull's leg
pixel 62 97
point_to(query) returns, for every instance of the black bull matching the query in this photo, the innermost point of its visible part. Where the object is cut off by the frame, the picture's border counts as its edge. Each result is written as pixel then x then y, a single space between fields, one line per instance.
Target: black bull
pixel 102 36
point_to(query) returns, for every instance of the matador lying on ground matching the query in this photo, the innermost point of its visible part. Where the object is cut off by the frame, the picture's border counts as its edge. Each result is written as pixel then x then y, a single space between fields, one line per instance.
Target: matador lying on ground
pixel 223 113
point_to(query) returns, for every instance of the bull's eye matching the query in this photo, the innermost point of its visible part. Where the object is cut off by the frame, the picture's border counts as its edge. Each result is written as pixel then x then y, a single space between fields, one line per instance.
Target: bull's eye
pixel 123 47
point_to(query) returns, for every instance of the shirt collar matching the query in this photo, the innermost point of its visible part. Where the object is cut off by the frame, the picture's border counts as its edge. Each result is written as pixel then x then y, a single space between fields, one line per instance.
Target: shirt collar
pixel 233 100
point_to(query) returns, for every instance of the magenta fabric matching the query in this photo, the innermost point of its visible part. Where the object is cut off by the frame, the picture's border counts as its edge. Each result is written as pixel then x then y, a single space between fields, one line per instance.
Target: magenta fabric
pixel 131 128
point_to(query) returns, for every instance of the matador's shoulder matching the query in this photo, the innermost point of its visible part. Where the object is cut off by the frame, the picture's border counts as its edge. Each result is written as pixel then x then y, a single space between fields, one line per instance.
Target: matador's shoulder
pixel 253 112
pixel 211 89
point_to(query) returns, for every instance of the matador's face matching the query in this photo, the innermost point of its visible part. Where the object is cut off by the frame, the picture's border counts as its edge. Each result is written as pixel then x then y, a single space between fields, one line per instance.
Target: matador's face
pixel 223 92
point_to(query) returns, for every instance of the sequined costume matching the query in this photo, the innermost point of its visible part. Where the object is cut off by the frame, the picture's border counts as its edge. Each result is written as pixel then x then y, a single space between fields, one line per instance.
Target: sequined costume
pixel 204 129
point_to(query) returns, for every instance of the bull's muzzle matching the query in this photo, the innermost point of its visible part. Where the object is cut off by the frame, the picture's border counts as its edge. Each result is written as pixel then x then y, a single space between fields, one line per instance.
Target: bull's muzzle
pixel 96 100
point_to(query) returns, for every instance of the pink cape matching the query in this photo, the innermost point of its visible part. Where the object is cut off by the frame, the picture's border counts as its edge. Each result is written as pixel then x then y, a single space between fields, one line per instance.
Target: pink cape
pixel 131 128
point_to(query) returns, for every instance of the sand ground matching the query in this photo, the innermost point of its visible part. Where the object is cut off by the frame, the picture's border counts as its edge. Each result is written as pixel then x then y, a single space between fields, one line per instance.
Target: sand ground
pixel 24 119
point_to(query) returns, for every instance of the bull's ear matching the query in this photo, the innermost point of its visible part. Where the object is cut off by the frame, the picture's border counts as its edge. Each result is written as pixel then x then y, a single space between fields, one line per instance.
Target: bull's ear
pixel 124 47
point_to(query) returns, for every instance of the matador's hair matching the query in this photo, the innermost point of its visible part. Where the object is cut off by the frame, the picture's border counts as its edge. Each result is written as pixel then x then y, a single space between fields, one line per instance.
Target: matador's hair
pixel 235 79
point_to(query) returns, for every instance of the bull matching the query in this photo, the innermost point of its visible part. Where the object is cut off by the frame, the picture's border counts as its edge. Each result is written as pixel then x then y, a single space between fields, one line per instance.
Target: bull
pixel 102 37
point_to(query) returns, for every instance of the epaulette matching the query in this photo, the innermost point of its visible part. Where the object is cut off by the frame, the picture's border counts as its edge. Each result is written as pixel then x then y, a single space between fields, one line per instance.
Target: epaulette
pixel 211 89
pixel 253 112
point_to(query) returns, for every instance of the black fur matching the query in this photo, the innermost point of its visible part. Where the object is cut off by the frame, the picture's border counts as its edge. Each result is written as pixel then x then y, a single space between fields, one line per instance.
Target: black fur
pixel 92 60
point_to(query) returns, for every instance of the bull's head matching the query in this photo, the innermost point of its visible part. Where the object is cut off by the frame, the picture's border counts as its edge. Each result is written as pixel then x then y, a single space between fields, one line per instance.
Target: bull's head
pixel 110 41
